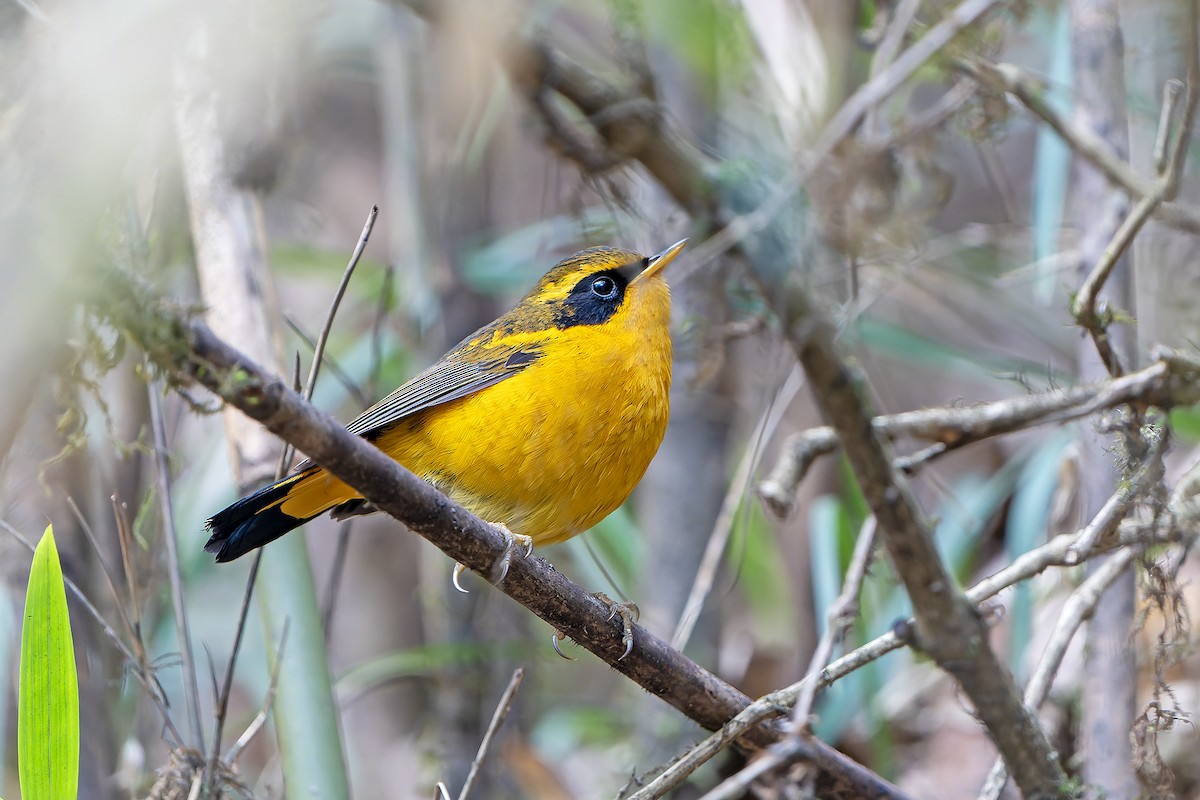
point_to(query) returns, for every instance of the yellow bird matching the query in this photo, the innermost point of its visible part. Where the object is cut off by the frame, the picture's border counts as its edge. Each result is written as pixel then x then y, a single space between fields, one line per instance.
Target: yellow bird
pixel 541 422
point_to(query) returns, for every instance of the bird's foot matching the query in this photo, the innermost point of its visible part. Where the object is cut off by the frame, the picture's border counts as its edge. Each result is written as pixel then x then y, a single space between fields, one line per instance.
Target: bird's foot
pixel 511 542
pixel 629 614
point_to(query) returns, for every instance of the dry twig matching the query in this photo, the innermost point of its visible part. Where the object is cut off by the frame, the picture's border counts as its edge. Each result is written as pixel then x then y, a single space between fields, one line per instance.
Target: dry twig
pixel 1165 383
pixel 498 717
pixel 841 616
pixel 1013 80
pixel 170 538
pixel 1084 305
pixel 260 718
pixel 1078 608
pixel 1106 531
pixel 723 527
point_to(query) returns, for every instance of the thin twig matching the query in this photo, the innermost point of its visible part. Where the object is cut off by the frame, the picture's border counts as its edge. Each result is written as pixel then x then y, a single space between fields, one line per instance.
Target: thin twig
pixel 141 663
pixel 1159 156
pixel 719 537
pixel 323 338
pixel 1084 306
pixel 1053 553
pixel 839 619
pixel 1078 607
pixel 178 607
pixel 800 693
pixel 928 119
pixel 222 704
pixel 132 630
pixel 125 542
pixel 361 398
pixel 1021 85
pixel 498 717
pixel 767 706
pixel 260 718
pixel 1128 491
pixel 777 756
pixel 956 427
pixel 341 550
pixel 284 460
pixel 1058 552
pixel 897 28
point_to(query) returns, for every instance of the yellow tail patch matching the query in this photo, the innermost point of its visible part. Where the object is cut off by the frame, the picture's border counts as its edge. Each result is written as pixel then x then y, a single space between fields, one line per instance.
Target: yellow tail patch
pixel 314 492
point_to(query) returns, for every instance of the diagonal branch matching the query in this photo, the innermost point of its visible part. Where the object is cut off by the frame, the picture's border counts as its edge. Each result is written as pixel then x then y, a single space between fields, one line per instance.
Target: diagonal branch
pixel 947 627
pixel 1011 79
pixel 189 353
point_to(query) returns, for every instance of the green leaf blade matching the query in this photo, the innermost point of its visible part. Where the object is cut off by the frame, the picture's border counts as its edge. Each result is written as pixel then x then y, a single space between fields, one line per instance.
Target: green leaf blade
pixel 48 693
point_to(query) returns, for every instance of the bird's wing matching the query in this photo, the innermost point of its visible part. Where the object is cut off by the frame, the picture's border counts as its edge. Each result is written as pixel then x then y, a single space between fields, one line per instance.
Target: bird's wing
pixel 448 379
pixel 459 373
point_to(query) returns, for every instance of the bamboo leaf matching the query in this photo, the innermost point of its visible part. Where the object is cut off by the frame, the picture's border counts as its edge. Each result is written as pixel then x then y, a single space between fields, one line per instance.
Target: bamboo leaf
pixel 48 692
pixel 1052 159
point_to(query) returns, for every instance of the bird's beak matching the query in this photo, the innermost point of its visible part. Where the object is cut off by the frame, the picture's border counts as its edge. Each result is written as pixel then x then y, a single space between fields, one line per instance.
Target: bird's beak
pixel 656 264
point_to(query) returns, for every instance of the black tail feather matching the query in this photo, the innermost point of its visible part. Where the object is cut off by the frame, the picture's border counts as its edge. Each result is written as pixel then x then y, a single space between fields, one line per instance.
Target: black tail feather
pixel 250 522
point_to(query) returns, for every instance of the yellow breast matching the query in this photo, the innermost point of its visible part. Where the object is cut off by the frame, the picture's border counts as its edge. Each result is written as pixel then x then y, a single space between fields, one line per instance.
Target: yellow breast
pixel 552 451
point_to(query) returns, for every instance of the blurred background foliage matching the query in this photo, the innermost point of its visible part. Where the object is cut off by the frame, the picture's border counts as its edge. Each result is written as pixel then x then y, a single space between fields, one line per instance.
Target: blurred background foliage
pixel 943 246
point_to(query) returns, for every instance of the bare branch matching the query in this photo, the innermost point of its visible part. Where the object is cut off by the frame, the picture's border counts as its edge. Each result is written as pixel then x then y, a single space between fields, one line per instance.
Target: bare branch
pixel 498 717
pixel 190 353
pixel 171 540
pixel 1078 608
pixel 1166 383
pixel 947 626
pixel 260 718
pixel 319 350
pixel 841 616
pixel 1021 85
pixel 1084 306
pixel 719 538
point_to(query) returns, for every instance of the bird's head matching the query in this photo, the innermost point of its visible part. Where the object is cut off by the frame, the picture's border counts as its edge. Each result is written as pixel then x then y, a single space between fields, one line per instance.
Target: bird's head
pixel 598 286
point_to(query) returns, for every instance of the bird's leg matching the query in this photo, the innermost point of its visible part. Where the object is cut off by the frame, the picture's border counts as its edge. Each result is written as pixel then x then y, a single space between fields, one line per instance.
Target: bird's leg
pixel 629 614
pixel 511 540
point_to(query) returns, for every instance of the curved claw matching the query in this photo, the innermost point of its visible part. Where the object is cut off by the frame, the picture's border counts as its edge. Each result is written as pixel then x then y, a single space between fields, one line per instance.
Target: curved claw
pixel 554 640
pixel 629 614
pixel 459 569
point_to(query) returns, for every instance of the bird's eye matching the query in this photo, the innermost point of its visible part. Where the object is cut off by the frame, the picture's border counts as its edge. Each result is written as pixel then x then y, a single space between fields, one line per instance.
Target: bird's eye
pixel 604 287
